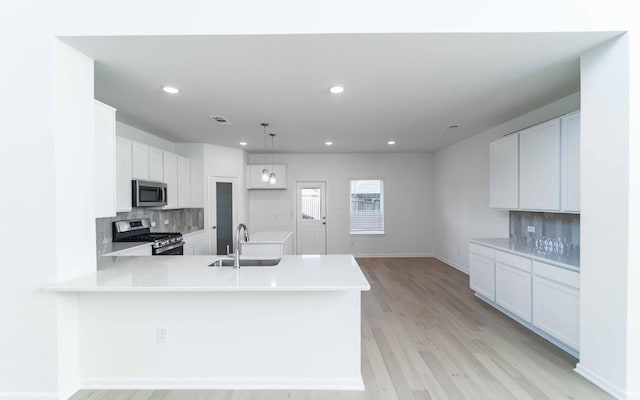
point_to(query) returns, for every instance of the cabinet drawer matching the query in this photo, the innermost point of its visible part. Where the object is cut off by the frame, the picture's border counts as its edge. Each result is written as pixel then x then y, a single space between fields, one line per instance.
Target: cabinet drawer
pixel 561 275
pixel 481 250
pixel 521 263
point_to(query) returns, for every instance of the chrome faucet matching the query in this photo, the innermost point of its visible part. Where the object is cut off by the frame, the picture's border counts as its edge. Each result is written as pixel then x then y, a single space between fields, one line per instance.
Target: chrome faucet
pixel 236 249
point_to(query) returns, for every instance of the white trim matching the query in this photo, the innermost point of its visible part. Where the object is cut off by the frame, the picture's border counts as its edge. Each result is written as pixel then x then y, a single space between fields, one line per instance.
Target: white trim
pixel 393 255
pixel 605 384
pixel 129 383
pixel 28 396
pixel 451 263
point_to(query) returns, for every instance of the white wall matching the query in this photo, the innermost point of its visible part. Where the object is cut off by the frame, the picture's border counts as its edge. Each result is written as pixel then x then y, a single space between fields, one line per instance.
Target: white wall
pixel 633 299
pixel 604 196
pixel 138 135
pixel 27 154
pixel 461 186
pixel 408 200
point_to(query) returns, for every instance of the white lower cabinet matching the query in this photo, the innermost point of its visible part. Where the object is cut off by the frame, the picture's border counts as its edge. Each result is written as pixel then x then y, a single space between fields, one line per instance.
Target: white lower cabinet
pixel 556 303
pixel 513 290
pixel 482 276
pixel 545 297
pixel 194 244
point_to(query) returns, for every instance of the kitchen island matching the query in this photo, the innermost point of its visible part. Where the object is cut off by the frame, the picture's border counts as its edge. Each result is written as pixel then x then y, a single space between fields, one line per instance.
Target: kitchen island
pixel 173 322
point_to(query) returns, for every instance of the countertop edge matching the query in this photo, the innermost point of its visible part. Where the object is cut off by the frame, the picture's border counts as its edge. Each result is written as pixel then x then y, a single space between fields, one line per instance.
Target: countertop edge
pixel 133 245
pixel 531 256
pixel 193 233
pixel 201 290
pixel 281 241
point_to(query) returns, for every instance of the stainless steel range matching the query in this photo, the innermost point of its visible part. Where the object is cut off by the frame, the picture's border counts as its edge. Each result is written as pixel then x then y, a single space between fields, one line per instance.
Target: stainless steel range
pixel 139 230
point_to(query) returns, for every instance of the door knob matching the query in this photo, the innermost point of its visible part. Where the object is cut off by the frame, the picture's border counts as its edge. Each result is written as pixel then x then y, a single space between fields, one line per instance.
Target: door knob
pixel 213 227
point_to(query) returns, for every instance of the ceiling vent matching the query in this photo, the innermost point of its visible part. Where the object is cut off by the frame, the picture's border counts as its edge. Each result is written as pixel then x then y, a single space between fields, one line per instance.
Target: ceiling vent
pixel 220 120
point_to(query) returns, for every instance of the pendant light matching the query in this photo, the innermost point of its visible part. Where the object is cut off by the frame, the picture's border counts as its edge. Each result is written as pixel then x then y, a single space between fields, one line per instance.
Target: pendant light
pixel 272 175
pixel 265 172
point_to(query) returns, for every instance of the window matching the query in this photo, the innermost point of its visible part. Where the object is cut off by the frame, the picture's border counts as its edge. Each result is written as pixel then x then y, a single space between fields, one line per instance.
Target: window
pixel 367 207
pixel 310 204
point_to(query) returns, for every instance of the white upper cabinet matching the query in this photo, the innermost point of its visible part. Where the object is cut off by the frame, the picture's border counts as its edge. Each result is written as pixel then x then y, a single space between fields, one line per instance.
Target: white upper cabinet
pixel 140 160
pixel 147 163
pixel 254 176
pixel 570 164
pixel 123 174
pixel 156 172
pixel 184 182
pixel 540 167
pixel 503 178
pixel 170 161
pixel 105 160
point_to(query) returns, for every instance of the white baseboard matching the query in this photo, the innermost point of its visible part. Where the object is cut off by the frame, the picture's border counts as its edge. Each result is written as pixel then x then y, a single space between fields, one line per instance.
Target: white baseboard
pixel 451 264
pixel 128 383
pixel 28 396
pixel 605 384
pixel 394 255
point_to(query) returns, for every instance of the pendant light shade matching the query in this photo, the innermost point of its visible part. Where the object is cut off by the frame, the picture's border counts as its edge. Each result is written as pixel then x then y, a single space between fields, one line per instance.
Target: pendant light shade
pixel 272 178
pixel 265 176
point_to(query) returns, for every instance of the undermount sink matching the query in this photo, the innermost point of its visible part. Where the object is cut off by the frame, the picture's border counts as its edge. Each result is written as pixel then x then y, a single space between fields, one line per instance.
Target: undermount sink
pixel 228 262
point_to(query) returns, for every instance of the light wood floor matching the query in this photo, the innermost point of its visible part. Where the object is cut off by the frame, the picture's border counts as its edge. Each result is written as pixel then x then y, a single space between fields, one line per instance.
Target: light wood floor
pixel 425 336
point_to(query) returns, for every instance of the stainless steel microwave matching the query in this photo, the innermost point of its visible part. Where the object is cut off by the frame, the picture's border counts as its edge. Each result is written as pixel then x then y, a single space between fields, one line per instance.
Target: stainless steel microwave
pixel 148 194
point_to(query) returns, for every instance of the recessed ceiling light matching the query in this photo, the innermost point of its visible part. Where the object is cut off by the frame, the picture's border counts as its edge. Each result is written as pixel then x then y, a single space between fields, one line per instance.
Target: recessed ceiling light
pixel 336 89
pixel 391 142
pixel 243 143
pixel 171 89
pixel 328 143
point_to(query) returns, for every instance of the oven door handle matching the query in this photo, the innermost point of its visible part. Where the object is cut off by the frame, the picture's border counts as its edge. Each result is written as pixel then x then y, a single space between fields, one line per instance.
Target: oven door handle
pixel 169 248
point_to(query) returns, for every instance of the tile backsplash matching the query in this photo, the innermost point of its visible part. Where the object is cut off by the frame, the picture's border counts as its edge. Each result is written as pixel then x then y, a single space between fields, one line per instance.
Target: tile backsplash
pixel 183 220
pixel 552 225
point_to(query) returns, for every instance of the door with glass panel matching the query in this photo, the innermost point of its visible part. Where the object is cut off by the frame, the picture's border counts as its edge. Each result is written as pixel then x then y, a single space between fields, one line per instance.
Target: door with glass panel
pixel 223 200
pixel 311 218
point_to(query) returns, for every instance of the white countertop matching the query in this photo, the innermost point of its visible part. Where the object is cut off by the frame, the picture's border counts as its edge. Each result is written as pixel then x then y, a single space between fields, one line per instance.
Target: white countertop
pixel 113 247
pixel 564 261
pixel 192 233
pixel 192 274
pixel 269 237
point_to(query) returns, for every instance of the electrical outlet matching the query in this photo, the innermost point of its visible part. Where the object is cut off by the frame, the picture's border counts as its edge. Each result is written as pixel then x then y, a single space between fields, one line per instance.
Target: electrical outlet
pixel 531 229
pixel 166 222
pixel 162 335
pixel 153 224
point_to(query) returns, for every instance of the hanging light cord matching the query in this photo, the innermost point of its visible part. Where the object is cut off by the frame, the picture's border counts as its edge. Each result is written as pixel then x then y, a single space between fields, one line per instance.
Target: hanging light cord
pixel 272 136
pixel 264 139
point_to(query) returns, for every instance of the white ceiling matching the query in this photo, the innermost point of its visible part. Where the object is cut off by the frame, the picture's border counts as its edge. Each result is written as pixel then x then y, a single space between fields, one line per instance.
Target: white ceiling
pixel 406 87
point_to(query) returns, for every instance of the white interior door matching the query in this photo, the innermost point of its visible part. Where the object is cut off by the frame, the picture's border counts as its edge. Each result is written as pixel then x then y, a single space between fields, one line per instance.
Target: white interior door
pixel 223 215
pixel 311 218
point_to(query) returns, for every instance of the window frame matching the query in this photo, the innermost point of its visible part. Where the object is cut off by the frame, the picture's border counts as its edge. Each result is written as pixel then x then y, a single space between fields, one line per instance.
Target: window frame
pixel 382 208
